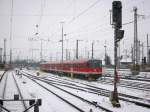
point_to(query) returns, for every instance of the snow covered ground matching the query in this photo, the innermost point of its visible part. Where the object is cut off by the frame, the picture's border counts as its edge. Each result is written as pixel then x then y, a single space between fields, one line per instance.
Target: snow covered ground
pixel 10 91
pixel 51 103
pixel 127 72
pixel 125 106
pixel 1 73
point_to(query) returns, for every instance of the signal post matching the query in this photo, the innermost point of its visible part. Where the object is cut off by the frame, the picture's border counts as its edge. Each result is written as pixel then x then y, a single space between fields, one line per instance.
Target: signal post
pixel 118 35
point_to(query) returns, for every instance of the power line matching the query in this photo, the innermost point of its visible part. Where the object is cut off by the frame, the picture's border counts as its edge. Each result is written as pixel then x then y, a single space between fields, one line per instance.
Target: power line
pixel 42 10
pixel 128 23
pixel 84 11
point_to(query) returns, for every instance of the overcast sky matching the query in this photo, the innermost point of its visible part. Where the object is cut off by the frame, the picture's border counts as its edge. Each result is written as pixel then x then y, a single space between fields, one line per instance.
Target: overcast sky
pixel 85 20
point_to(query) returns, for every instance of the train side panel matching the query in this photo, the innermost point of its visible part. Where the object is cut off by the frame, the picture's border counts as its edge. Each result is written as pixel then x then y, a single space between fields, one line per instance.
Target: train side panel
pixel 79 69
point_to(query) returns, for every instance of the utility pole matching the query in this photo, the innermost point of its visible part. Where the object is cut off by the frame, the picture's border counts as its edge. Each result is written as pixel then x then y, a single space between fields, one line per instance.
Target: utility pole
pixel 62 41
pixel 105 52
pixel 135 37
pixel 77 50
pixel 136 67
pixel 41 55
pixel 142 52
pixel 41 51
pixel 147 50
pixel 69 56
pixel 11 19
pixel 88 55
pixel 126 55
pixel 136 42
pixel 1 50
pixel 139 51
pixel 4 57
pixel 132 54
pixel 92 49
pixel 32 55
pixel 66 54
pixel 85 51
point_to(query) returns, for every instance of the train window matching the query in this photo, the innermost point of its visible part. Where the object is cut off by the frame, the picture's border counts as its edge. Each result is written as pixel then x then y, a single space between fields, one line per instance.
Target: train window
pixel 95 63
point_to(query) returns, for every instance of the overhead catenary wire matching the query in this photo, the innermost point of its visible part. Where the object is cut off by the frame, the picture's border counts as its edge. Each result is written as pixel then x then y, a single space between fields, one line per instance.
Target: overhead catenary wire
pixel 40 16
pixel 80 14
pixel 43 2
pixel 84 11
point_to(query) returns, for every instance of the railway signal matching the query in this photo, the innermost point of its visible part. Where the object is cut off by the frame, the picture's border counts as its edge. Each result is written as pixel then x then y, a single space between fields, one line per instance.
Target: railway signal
pixel 117 13
pixel 118 35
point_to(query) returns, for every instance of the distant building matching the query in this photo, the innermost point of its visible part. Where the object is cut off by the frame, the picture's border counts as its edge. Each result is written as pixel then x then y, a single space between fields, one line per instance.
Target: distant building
pixel 125 62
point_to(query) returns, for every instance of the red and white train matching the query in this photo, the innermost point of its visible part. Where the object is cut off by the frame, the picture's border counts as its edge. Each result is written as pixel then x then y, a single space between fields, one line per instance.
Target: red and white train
pixel 85 68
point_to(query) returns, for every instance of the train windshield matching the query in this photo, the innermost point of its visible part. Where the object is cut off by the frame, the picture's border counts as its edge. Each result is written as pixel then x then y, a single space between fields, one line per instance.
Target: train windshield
pixel 95 63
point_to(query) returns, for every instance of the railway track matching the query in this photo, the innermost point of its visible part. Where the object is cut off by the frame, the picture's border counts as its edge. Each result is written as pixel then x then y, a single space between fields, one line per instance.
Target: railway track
pixel 129 77
pixel 90 105
pixel 7 94
pixel 1 77
pixel 128 84
pixel 124 97
pixel 96 90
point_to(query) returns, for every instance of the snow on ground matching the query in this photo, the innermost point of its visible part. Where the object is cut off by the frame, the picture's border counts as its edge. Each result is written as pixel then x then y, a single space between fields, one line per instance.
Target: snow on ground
pixel 127 72
pixel 83 105
pixel 1 73
pixel 50 103
pixel 125 106
pixel 129 91
pixel 104 101
pixel 11 90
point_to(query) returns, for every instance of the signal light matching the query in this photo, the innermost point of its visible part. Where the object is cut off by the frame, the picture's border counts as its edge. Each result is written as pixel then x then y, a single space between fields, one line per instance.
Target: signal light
pixel 117 13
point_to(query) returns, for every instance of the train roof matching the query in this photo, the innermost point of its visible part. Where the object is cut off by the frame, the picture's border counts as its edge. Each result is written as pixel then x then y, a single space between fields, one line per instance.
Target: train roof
pixel 70 61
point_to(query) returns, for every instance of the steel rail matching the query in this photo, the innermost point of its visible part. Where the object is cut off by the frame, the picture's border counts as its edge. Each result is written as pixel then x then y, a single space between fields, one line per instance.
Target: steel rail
pixel 2 76
pixel 24 104
pixel 92 103
pixel 80 110
pixel 104 91
pixel 5 85
pixel 129 85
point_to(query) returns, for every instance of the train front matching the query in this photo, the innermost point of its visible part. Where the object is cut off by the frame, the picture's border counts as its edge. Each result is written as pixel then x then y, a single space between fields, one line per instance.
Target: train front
pixel 94 69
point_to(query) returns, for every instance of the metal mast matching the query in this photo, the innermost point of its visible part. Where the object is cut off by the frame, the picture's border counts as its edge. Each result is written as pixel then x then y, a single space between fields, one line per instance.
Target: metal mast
pixel 11 17
pixel 62 41
pixel 147 50
pixel 4 58
pixel 41 55
pixel 92 50
pixel 77 50
pixel 132 53
pixel 142 51
pixel 1 50
pixel 105 52
pixel 135 58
